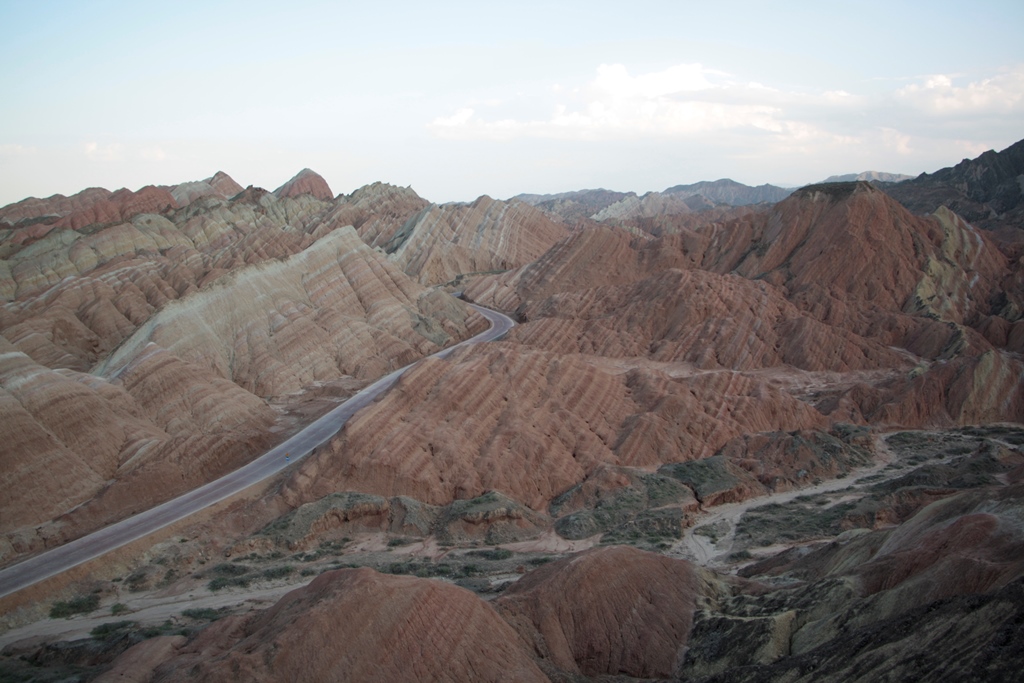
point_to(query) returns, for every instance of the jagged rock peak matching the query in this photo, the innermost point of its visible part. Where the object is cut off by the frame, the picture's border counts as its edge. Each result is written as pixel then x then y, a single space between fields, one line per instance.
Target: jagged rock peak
pixel 306 181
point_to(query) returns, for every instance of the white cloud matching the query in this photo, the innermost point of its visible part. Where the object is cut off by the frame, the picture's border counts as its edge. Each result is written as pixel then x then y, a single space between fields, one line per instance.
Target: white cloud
pixel 8 150
pixel 98 152
pixel 685 100
pixel 691 111
pixel 689 100
pixel 152 153
pixel 897 141
pixel 939 95
pixel 614 80
pixel 458 119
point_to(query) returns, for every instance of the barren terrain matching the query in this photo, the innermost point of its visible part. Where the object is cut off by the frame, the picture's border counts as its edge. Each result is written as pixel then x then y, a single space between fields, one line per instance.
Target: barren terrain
pixel 722 443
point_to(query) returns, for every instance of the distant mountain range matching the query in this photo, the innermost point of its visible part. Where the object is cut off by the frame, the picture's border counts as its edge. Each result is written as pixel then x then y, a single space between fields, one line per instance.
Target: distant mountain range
pixel 869 176
pixel 986 191
pixel 607 205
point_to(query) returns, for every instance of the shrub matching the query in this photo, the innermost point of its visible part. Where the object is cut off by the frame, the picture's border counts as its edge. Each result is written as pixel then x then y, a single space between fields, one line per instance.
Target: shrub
pixel 226 581
pixel 79 605
pixel 104 630
pixel 201 614
pixel 229 569
pixel 137 580
pixel 496 554
pixel 278 572
pixel 118 608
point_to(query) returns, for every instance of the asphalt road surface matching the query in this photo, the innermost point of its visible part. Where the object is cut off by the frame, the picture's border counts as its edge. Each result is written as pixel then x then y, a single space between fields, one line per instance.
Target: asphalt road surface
pixel 62 558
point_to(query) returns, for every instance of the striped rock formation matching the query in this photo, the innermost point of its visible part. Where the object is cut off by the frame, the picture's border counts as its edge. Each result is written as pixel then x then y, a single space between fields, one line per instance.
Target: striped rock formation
pixel 189 322
pixel 443 242
pixel 356 624
pixel 531 424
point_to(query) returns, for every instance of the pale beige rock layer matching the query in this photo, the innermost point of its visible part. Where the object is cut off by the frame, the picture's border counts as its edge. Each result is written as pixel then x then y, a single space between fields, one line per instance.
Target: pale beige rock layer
pixel 442 242
pixel 337 308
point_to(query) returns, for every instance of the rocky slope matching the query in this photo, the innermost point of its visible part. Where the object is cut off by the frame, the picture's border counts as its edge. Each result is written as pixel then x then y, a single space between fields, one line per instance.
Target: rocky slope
pixel 220 184
pixel 378 212
pixel 306 182
pixel 651 204
pixel 659 385
pixel 531 425
pixel 761 326
pixel 897 575
pixel 986 191
pixel 188 322
pixel 571 207
pixel 807 285
pixel 360 625
pixel 443 242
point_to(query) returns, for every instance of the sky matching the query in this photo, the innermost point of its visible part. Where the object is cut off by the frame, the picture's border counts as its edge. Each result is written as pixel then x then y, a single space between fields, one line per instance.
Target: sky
pixel 460 99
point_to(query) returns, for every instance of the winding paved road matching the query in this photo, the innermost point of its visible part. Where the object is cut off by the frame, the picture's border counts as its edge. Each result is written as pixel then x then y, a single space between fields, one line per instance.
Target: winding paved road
pixel 62 558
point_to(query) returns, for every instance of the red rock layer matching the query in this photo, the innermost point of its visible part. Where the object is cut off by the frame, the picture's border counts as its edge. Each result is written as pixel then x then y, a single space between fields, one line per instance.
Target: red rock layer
pixel 358 625
pixel 107 447
pixel 711 320
pixel 532 424
pixel 609 611
pixel 55 206
pixel 306 182
pixel 970 543
pixel 830 279
pixel 92 207
pixel 208 308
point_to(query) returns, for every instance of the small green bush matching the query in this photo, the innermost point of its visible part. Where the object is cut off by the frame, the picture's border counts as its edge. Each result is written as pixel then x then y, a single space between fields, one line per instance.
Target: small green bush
pixel 201 614
pixel 137 580
pixel 104 630
pixel 118 608
pixel 278 572
pixel 227 581
pixel 230 569
pixel 495 554
pixel 80 605
pixel 399 541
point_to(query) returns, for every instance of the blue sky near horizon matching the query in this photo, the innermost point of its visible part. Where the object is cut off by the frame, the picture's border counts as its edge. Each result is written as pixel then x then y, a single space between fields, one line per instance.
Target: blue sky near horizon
pixel 460 99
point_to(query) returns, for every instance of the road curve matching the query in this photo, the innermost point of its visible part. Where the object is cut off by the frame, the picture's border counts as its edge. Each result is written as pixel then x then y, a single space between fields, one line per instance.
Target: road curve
pixel 62 558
